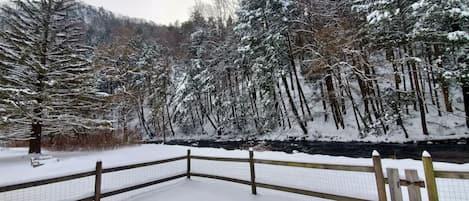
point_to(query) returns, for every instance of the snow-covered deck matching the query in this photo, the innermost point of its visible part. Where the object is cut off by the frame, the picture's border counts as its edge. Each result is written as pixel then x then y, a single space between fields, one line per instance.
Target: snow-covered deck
pixel 213 190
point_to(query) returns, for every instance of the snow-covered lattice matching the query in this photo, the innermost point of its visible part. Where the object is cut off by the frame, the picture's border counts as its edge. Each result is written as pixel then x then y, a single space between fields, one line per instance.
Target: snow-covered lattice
pixel 67 190
pixel 452 189
pixel 131 177
pixel 345 183
pixel 236 170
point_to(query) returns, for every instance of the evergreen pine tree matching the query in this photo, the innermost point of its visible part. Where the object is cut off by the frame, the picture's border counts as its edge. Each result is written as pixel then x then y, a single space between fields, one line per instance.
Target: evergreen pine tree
pixel 46 72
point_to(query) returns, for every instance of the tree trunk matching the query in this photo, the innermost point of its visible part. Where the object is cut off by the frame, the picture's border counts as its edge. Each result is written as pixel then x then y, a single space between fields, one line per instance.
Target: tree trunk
pixel 332 98
pixel 379 103
pixel 301 95
pixel 404 81
pixel 444 83
pixel 400 122
pixel 365 97
pixel 252 97
pixel 465 91
pixel 429 72
pixel 342 95
pixel 392 59
pixel 35 141
pixel 445 89
pixel 397 79
pixel 164 125
pixel 36 136
pixel 323 98
pixel 125 130
pixel 421 76
pixel 141 115
pixel 194 125
pixel 283 105
pixel 276 103
pixel 362 85
pixel 232 96
pixel 422 84
pixel 204 112
pixel 293 107
pixel 200 117
pixel 349 93
pixel 411 76
pixel 170 121
pixel 419 95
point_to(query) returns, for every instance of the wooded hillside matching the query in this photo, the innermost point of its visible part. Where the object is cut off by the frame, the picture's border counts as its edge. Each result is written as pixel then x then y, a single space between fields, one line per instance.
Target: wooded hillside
pixel 319 70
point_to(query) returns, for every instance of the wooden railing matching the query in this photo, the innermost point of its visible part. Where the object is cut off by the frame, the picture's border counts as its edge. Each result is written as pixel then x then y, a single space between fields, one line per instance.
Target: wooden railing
pixel 254 184
pixel 98 172
pixel 412 181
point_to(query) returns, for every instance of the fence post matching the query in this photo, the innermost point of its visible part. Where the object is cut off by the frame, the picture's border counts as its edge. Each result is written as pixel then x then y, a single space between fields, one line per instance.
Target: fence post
pixel 97 182
pixel 414 190
pixel 188 164
pixel 394 184
pixel 429 176
pixel 253 173
pixel 378 169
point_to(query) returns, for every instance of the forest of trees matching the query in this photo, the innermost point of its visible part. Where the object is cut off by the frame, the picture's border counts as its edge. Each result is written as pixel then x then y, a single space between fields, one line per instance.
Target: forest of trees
pixel 236 68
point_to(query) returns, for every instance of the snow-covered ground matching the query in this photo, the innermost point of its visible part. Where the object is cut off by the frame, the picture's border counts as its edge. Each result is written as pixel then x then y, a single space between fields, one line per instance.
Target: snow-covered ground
pixel 212 190
pixel 15 168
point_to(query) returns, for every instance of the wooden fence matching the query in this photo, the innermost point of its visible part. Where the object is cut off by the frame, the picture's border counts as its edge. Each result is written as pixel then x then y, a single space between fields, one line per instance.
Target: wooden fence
pixel 393 180
pixel 98 172
pixel 376 169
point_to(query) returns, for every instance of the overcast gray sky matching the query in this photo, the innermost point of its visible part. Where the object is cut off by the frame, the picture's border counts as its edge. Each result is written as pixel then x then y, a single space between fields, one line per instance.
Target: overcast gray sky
pixel 159 11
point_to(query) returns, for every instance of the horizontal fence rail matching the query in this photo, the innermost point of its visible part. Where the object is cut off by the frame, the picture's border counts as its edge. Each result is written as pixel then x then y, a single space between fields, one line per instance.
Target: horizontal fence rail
pixel 307 192
pixel 317 165
pixel 139 165
pixel 221 159
pixel 404 182
pixel 230 179
pixel 46 181
pixel 451 174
